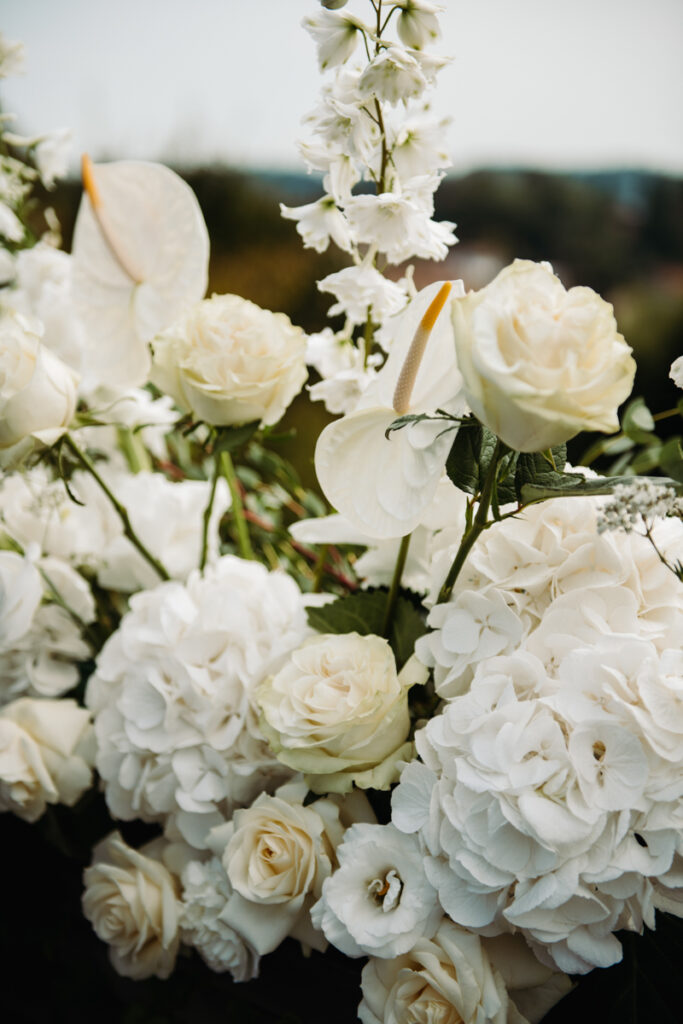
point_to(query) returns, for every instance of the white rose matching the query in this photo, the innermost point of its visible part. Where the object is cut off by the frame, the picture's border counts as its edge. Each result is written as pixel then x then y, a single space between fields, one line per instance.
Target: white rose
pixel 540 363
pixel 277 854
pixel 456 978
pixel 45 755
pixel 37 390
pixel 676 372
pixel 228 361
pixel 338 711
pixel 131 901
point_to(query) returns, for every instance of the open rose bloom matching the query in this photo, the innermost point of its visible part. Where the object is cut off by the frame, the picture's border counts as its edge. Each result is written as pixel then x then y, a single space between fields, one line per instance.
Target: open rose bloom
pixel 403 739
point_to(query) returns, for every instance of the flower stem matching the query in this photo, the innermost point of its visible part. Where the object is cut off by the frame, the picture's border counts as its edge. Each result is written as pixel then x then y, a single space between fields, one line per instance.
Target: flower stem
pixel 479 524
pixel 206 518
pixel 241 528
pixel 319 568
pixel 120 510
pixel 392 596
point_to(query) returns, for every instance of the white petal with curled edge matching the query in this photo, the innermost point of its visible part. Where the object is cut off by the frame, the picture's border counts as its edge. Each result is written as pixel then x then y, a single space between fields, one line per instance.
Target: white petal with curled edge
pixel 382 486
pixel 136 283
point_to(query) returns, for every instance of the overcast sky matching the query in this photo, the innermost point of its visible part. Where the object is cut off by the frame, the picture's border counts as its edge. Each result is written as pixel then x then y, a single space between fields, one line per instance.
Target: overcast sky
pixel 550 83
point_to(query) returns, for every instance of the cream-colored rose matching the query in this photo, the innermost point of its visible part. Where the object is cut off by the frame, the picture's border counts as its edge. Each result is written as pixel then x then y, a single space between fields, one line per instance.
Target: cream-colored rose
pixel 131 901
pixel 228 361
pixel 540 363
pixel 276 854
pixel 453 979
pixel 46 755
pixel 37 390
pixel 338 711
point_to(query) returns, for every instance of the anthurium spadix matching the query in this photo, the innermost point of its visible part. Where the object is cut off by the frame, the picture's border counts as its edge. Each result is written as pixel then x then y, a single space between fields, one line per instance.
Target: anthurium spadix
pixel 140 256
pixel 384 485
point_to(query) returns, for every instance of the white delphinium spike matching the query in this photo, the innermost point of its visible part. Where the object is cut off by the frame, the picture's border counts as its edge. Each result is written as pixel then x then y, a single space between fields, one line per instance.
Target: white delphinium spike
pixel 11 57
pixel 417 23
pixel 319 222
pixel 393 75
pixel 335 35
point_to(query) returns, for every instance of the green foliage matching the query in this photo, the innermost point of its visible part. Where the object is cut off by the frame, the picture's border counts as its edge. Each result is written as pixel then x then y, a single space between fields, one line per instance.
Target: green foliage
pixel 229 439
pixel 364 613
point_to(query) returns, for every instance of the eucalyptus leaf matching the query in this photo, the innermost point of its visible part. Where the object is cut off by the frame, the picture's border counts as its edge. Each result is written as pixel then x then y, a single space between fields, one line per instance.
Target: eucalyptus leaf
pixel 638 423
pixel 671 458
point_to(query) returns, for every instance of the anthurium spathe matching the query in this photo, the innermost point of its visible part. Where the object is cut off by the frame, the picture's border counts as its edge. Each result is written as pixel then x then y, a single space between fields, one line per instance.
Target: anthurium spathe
pixel 141 253
pixel 384 485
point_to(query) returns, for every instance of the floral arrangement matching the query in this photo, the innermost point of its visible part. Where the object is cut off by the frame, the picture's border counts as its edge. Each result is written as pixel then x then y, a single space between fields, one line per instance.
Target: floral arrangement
pixel 441 728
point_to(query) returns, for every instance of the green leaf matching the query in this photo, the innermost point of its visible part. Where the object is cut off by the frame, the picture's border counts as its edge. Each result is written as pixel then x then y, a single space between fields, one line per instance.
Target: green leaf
pixel 540 469
pixel 406 629
pixel 419 417
pixel 569 484
pixel 470 455
pixel 638 423
pixel 671 458
pixel 230 438
pixel 364 613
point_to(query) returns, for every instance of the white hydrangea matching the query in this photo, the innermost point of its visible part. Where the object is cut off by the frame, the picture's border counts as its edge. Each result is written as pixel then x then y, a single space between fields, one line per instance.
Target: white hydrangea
pixel 166 516
pixel 206 891
pixel 544 800
pixel 549 796
pixel 173 693
pixel 41 644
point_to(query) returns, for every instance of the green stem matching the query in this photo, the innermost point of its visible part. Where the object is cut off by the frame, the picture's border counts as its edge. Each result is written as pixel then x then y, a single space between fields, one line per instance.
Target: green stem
pixel 479 524
pixel 241 528
pixel 319 569
pixel 134 450
pixel 206 518
pixel 120 510
pixel 368 337
pixel 392 596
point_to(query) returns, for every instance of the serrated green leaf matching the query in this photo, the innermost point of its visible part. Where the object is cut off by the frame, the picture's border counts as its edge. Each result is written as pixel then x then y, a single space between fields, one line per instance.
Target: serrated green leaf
pixel 364 613
pixel 638 423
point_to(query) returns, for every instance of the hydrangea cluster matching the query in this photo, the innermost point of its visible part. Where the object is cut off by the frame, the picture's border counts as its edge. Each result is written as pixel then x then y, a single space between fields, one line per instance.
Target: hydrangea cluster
pixel 173 695
pixel 549 797
pixel 41 642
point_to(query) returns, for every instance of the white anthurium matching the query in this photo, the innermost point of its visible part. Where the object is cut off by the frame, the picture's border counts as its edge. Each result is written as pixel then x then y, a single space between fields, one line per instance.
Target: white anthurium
pixel 140 254
pixel 376 566
pixel 381 485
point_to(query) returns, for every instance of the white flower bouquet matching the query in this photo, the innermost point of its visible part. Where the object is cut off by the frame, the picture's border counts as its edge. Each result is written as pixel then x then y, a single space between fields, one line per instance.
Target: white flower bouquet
pixel 434 738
